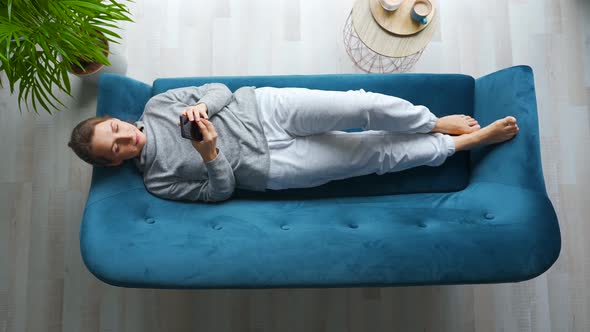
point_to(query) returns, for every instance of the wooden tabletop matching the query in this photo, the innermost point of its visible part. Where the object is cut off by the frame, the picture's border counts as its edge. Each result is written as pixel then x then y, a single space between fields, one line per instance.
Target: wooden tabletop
pixel 385 43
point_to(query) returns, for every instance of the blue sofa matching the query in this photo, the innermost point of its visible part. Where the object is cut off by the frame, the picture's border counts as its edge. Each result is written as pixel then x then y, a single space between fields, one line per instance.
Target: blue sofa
pixel 482 217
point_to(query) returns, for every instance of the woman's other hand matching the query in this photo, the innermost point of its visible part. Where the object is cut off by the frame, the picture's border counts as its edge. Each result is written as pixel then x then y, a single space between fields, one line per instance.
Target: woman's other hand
pixel 196 112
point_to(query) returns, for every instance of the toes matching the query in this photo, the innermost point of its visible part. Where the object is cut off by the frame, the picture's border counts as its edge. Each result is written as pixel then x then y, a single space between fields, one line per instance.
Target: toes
pixel 509 121
pixel 472 129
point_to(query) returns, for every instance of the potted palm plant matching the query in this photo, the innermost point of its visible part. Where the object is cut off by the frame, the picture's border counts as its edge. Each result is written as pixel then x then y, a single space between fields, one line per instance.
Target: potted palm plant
pixel 42 40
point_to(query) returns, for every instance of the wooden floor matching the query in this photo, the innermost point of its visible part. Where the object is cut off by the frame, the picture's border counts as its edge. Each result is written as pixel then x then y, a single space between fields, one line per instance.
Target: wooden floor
pixel 44 285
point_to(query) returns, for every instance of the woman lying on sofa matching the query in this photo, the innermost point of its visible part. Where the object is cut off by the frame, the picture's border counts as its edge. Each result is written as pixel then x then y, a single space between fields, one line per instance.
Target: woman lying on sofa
pixel 276 138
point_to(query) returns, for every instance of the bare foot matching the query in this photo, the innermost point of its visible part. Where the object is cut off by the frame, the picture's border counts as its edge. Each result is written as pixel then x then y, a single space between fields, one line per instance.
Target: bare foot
pixel 457 124
pixel 499 131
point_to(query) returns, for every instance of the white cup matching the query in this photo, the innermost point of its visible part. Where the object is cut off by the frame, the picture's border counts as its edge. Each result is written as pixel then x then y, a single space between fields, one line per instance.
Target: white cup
pixel 390 5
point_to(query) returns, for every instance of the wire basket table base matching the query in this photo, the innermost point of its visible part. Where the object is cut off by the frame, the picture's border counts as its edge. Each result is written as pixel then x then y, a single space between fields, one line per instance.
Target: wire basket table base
pixel 368 60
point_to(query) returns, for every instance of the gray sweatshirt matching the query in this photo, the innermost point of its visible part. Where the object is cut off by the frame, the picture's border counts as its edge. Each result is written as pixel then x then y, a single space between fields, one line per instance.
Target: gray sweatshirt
pixel 171 166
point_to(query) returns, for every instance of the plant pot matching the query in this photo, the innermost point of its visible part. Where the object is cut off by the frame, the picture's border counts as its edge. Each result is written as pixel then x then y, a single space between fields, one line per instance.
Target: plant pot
pixel 92 71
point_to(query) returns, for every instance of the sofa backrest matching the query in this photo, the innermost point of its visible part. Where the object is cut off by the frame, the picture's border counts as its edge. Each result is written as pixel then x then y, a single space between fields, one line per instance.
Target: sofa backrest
pixel 443 94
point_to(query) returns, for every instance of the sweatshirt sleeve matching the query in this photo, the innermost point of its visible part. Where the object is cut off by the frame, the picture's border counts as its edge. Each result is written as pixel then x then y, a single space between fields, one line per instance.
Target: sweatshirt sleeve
pixel 215 95
pixel 219 185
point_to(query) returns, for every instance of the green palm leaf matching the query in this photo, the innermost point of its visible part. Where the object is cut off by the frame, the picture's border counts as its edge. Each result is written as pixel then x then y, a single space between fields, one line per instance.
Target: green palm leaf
pixel 41 40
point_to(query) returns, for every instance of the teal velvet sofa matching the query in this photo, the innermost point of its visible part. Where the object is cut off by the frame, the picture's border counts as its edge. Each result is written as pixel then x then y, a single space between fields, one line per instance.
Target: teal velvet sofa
pixel 482 217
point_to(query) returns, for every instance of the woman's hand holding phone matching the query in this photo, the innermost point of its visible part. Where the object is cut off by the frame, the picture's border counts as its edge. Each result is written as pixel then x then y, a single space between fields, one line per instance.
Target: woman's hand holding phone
pixel 207 148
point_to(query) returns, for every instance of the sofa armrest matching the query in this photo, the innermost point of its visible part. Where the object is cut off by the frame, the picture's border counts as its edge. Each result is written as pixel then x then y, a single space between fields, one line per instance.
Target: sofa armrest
pixel 516 162
pixel 122 97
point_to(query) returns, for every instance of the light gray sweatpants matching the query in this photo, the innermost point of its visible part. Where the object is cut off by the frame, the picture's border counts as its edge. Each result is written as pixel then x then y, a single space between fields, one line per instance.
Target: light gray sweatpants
pixel 308 147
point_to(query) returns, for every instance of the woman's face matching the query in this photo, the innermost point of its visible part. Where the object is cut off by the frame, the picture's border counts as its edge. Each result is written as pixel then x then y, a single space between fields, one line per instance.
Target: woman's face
pixel 117 140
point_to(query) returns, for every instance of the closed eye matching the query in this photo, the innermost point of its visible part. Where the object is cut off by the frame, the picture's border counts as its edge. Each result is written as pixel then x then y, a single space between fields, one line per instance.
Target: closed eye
pixel 114 128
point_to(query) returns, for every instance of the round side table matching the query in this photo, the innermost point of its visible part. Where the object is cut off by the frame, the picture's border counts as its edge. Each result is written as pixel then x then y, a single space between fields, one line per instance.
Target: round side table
pixel 376 50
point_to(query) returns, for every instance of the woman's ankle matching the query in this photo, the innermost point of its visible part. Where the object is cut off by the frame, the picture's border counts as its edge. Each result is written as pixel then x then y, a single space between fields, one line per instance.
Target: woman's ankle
pixel 465 142
pixel 436 128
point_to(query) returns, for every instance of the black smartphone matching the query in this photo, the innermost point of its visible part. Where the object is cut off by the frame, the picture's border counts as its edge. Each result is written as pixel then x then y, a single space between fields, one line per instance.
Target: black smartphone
pixel 190 129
